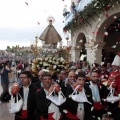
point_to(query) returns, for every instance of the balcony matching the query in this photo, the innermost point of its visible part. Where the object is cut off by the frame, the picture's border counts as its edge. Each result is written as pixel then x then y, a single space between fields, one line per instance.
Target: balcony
pixel 80 6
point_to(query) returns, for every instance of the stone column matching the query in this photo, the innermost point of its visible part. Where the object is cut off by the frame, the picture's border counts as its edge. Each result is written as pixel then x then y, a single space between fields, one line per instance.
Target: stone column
pixel 75 54
pixel 94 52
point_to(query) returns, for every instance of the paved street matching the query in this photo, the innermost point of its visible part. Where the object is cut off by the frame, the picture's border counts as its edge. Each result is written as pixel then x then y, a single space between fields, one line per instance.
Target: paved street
pixel 4 110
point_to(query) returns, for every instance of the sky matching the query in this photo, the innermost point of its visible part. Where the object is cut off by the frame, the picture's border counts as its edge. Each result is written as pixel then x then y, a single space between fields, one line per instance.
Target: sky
pixel 19 20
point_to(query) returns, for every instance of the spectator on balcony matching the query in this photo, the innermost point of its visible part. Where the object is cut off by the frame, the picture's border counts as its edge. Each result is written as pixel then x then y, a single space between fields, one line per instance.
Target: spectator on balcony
pixel 73 7
pixel 65 12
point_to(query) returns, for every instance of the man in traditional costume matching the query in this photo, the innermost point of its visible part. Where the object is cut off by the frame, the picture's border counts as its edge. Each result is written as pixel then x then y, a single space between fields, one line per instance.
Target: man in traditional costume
pixel 79 110
pixel 27 92
pixel 46 109
pixel 115 76
pixel 99 93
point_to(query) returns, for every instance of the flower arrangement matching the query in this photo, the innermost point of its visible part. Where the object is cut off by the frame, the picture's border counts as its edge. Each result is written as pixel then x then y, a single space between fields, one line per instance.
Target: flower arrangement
pixel 50 63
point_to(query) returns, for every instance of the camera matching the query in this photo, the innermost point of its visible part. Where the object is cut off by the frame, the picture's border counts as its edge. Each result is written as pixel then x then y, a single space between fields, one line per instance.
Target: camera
pixel 3 64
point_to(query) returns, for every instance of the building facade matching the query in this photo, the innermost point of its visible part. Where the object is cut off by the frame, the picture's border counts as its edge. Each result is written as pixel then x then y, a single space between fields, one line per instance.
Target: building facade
pixel 95 34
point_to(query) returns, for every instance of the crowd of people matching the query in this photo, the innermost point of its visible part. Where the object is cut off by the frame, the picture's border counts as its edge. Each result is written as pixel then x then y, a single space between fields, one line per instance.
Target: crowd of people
pixel 93 84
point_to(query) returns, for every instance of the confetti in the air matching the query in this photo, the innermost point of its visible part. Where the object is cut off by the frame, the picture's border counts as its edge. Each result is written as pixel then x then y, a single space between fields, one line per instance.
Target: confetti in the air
pixel 114 46
pixel 38 22
pixel 106 34
pixel 115 17
pixel 26 3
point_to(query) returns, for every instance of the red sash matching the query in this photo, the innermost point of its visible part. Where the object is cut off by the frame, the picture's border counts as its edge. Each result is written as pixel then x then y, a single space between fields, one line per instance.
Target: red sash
pixel 24 114
pixel 49 117
pixel 71 116
pixel 97 105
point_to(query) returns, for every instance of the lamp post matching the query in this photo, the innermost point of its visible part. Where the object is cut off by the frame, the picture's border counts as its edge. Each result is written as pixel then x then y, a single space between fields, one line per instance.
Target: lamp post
pixel 67 38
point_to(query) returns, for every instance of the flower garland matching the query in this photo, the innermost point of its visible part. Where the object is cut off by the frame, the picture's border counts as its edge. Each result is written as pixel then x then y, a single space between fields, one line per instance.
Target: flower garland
pixel 94 8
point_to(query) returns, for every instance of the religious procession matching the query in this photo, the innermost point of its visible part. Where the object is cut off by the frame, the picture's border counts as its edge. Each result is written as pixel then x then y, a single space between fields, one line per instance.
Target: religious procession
pixel 79 81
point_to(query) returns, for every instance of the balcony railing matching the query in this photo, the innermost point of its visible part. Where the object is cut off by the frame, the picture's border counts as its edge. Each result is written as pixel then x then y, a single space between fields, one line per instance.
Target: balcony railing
pixel 80 6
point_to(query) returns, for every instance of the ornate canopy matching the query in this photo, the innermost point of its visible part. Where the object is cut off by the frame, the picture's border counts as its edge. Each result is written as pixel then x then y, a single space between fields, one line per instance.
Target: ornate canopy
pixel 50 35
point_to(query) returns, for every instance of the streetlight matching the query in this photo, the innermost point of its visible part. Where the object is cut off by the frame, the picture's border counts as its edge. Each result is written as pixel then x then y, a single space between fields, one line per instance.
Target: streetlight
pixel 66 34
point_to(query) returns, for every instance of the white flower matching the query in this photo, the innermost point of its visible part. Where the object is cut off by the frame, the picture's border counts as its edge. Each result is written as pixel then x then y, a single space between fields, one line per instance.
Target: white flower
pixel 50 60
pixel 53 58
pixel 37 66
pixel 40 63
pixel 53 62
pixel 40 59
pixel 46 58
pixel 54 66
pixel 57 63
pixel 62 59
pixel 47 68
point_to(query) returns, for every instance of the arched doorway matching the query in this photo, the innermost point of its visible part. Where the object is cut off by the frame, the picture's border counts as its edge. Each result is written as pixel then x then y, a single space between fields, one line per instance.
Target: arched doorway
pixel 80 44
pixel 112 46
pixel 109 33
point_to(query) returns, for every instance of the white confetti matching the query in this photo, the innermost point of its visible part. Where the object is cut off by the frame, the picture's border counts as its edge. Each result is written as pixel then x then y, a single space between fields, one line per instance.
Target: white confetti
pixel 99 19
pixel 91 108
pixel 65 111
pixel 98 26
pixel 114 46
pixel 109 113
pixel 99 118
pixel 115 17
pixel 69 96
pixel 106 75
pixel 106 33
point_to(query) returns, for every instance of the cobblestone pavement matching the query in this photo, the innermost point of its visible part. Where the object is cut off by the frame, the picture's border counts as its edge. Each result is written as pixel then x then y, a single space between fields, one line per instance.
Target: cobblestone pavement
pixel 4 110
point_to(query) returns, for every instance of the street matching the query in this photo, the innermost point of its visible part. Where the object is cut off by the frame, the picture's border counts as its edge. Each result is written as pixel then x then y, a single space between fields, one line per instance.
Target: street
pixel 4 109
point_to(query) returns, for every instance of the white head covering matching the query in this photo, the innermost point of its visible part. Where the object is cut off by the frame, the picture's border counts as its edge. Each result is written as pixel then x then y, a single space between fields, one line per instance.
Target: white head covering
pixel 116 61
